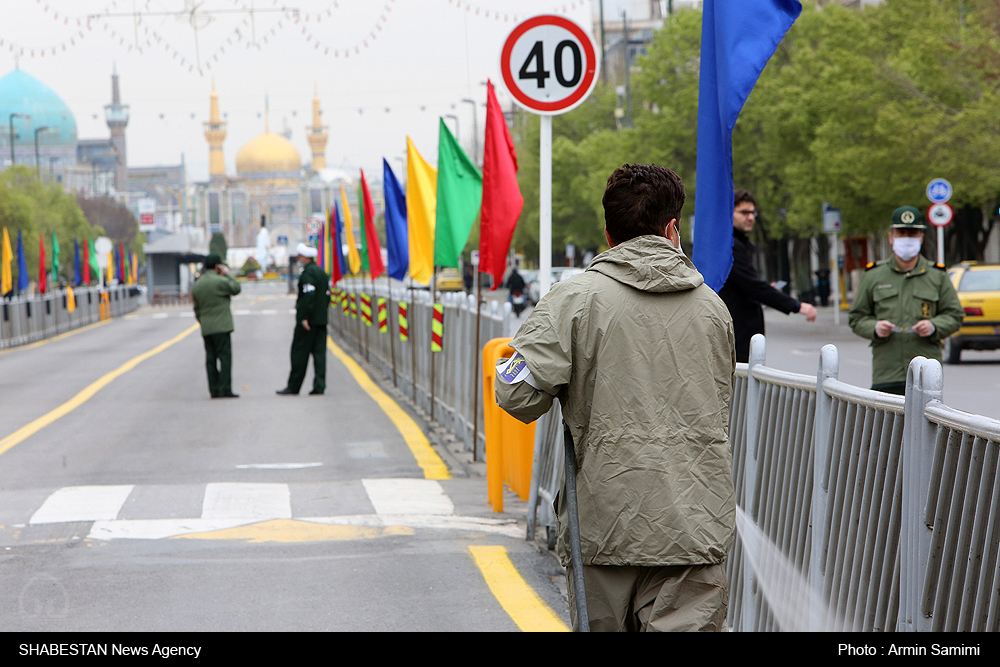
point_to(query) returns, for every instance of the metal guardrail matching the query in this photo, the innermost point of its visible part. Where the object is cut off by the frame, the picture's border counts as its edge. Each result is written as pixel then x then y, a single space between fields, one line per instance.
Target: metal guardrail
pixel 884 510
pixel 455 385
pixel 27 319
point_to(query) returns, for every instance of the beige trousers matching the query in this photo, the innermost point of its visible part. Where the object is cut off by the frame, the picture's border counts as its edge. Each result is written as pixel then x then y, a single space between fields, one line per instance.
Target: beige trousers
pixel 681 598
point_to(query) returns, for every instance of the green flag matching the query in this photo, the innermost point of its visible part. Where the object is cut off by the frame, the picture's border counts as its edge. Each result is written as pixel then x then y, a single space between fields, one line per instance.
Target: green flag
pixel 94 267
pixel 459 197
pixel 55 261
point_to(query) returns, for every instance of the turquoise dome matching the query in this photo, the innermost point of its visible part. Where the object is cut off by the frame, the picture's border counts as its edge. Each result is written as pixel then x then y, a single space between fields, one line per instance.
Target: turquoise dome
pixel 24 94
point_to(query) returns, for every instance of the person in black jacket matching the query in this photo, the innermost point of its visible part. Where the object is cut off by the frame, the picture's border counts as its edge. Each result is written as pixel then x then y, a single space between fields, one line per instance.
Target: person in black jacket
pixel 744 291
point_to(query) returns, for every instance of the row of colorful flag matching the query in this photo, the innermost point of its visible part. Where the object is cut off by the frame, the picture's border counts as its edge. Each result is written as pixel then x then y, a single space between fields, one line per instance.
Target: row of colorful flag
pixel 122 265
pixel 429 224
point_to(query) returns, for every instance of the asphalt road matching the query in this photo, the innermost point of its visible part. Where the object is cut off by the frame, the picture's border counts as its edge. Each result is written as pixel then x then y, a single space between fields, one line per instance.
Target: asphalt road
pixel 131 501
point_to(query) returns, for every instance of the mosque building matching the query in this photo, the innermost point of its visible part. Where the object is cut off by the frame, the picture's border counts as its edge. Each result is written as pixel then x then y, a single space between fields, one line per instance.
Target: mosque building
pixel 271 184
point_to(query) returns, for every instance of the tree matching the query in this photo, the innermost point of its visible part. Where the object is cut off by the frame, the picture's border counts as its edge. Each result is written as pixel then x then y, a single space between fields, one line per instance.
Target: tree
pixel 41 209
pixel 217 245
pixel 118 222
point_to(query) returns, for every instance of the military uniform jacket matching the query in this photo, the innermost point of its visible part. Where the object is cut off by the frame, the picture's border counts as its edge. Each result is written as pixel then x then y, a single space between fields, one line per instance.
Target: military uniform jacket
pixel 210 296
pixel 888 293
pixel 313 302
pixel 640 353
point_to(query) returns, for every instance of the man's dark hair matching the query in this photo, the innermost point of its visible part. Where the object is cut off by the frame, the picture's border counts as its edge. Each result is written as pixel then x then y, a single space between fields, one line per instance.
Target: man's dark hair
pixel 641 199
pixel 740 196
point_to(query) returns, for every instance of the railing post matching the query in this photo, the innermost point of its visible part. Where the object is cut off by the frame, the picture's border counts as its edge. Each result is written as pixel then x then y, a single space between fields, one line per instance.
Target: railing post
pixel 758 346
pixel 829 367
pixel 924 382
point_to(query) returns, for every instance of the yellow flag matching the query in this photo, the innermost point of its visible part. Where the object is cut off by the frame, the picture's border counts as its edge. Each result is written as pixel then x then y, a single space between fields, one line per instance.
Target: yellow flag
pixel 70 299
pixel 111 269
pixel 6 257
pixel 421 211
pixel 353 258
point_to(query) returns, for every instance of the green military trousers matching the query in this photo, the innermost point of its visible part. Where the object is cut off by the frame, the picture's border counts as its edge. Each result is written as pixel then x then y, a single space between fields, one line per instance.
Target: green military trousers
pixel 219 363
pixel 677 598
pixel 305 343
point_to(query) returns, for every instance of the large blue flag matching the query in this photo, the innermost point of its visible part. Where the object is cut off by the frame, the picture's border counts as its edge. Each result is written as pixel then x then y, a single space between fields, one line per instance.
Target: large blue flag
pixel 77 277
pixel 22 266
pixel 738 37
pixel 396 240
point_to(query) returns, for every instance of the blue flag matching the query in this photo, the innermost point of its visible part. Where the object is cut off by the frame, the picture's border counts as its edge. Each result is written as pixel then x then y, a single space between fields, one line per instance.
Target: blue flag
pixel 397 242
pixel 77 277
pixel 738 37
pixel 22 266
pixel 338 243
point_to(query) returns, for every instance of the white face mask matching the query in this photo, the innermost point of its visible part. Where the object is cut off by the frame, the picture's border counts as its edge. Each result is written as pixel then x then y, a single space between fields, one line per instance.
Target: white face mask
pixel 906 247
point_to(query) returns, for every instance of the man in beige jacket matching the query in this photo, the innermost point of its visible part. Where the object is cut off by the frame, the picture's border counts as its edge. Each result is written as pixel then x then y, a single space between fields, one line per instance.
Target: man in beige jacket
pixel 641 354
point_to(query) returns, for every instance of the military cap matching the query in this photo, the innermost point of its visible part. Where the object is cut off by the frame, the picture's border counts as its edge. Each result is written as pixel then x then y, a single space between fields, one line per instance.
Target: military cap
pixel 306 251
pixel 908 217
pixel 212 261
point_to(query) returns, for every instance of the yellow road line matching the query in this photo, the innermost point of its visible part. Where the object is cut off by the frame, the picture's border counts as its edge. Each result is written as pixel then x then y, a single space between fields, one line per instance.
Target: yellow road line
pixel 72 404
pixel 427 458
pixel 54 338
pixel 517 598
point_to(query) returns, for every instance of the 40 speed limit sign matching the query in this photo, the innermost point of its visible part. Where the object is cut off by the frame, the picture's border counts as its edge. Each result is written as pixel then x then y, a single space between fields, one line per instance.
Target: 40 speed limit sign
pixel 549 64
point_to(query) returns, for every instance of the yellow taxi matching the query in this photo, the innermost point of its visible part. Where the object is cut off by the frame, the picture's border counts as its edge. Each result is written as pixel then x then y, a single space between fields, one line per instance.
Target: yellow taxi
pixel 978 287
pixel 448 280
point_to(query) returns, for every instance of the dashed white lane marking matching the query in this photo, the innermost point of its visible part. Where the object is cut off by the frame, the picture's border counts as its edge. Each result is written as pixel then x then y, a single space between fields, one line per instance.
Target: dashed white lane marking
pixel 277 466
pixel 246 501
pixel 82 503
pixel 408 496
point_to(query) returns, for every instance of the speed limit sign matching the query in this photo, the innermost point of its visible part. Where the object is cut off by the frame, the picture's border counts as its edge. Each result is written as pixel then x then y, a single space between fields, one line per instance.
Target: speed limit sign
pixel 549 64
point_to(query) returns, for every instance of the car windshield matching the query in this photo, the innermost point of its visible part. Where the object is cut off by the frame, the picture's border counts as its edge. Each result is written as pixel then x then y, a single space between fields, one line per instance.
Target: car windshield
pixel 980 281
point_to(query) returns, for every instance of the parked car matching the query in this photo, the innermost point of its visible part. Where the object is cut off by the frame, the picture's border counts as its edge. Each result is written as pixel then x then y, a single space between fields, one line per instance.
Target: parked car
pixel 449 280
pixel 558 273
pixel 530 277
pixel 978 287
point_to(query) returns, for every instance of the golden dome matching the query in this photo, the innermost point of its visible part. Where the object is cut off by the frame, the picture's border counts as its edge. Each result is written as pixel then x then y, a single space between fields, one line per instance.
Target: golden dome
pixel 268 156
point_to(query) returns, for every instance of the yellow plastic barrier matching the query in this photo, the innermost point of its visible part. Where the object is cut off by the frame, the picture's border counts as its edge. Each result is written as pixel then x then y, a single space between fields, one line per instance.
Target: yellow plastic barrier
pixel 510 444
pixel 105 306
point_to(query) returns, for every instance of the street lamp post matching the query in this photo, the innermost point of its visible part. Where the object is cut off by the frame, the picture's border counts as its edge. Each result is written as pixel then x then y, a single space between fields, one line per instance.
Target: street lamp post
pixel 454 118
pixel 12 117
pixel 475 131
pixel 38 162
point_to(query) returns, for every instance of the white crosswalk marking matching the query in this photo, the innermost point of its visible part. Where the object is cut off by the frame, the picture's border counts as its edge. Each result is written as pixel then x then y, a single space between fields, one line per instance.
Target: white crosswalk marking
pixel 408 496
pixel 246 501
pixel 82 503
pixel 417 503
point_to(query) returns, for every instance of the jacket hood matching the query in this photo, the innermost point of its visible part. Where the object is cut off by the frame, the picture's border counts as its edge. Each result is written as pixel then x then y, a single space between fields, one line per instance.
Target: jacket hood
pixel 648 263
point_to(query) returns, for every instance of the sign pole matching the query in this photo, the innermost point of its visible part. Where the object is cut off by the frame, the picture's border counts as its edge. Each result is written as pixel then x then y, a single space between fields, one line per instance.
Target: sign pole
pixel 940 245
pixel 545 206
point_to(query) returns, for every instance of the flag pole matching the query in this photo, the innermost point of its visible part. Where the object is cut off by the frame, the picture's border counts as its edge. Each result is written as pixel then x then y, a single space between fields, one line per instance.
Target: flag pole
pixel 388 328
pixel 410 333
pixel 433 304
pixel 475 376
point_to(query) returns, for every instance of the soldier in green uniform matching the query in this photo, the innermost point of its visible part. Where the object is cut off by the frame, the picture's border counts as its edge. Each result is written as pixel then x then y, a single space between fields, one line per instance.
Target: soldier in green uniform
pixel 906 306
pixel 210 296
pixel 311 312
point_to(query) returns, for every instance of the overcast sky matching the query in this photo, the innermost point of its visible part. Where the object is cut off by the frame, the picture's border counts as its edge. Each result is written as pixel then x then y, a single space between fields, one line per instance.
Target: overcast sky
pixel 384 69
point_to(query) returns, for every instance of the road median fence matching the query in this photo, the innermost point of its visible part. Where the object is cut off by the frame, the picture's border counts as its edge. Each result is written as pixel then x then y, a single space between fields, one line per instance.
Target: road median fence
pixel 442 383
pixel 28 319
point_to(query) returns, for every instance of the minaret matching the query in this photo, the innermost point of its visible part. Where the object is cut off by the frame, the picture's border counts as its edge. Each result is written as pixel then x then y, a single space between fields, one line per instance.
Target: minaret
pixel 215 134
pixel 317 136
pixel 116 115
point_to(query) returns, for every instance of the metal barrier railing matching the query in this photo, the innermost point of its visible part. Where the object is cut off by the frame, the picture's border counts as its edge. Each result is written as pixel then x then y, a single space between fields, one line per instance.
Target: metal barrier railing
pixel 886 509
pixel 27 319
pixel 409 364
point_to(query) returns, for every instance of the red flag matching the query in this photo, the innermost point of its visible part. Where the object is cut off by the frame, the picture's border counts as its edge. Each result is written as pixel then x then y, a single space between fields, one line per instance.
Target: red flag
pixel 502 200
pixel 41 265
pixel 121 262
pixel 375 265
pixel 86 263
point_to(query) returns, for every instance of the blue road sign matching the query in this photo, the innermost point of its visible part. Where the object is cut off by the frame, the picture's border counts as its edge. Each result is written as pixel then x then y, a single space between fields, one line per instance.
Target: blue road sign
pixel 939 191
